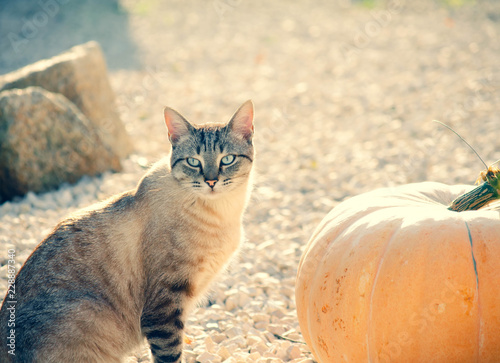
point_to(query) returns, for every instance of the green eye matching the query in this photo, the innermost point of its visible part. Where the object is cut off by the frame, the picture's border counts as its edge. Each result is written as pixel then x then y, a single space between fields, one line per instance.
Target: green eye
pixel 193 162
pixel 227 160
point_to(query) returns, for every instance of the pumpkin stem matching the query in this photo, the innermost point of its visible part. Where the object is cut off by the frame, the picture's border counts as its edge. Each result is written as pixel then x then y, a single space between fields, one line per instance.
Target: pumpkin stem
pixel 476 198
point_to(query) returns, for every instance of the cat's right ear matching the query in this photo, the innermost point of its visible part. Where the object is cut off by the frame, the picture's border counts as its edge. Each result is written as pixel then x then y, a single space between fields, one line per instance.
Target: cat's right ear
pixel 242 121
pixel 177 125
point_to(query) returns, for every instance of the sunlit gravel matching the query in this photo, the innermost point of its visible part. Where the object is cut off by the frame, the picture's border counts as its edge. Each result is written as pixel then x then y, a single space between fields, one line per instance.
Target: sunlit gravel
pixel 345 96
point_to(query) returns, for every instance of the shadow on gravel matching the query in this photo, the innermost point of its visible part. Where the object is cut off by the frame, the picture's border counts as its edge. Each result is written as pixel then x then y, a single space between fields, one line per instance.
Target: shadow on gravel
pixel 31 30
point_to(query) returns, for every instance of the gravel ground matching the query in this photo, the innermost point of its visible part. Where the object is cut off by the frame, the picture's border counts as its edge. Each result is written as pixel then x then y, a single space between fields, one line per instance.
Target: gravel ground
pixel 344 98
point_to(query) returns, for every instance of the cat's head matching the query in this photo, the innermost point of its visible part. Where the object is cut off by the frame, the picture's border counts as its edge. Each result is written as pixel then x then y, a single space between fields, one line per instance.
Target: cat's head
pixel 211 159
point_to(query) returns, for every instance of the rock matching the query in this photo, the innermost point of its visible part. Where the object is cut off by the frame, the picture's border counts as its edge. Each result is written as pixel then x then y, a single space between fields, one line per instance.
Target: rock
pixel 45 141
pixel 208 357
pixel 209 344
pixel 253 340
pixel 253 357
pixel 213 325
pixel 240 341
pixel 293 352
pixel 261 325
pixel 269 336
pixel 218 337
pixel 189 356
pixel 257 317
pixel 80 74
pixel 233 332
pixel 261 348
pixel 243 299
pixel 241 357
pixel 231 302
pixel 223 352
pixel 276 329
pixel 231 347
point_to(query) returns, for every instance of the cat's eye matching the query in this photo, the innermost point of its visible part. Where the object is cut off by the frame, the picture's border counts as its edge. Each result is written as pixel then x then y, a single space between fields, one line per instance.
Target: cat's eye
pixel 193 162
pixel 228 160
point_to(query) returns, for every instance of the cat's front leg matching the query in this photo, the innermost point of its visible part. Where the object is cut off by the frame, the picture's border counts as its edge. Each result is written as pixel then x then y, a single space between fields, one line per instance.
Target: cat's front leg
pixel 165 333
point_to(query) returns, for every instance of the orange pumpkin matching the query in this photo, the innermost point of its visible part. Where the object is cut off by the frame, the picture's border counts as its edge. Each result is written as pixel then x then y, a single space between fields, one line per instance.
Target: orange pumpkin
pixel 393 276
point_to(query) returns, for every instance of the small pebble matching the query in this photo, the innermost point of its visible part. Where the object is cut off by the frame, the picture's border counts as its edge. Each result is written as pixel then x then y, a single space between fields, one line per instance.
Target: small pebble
pixel 207 357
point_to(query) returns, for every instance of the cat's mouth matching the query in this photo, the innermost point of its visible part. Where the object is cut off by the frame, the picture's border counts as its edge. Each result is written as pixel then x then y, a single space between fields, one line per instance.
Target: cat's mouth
pixel 209 192
pixel 213 189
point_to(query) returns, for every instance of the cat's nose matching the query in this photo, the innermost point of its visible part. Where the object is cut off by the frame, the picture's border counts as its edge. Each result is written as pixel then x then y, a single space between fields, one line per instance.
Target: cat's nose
pixel 211 183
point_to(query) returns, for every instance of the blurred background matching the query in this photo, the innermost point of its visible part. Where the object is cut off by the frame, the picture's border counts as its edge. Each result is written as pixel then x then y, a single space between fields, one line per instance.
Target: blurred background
pixel 369 72
pixel 32 30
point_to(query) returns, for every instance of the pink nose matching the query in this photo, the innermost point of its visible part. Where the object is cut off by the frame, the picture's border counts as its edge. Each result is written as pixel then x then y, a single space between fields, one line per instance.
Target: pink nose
pixel 211 183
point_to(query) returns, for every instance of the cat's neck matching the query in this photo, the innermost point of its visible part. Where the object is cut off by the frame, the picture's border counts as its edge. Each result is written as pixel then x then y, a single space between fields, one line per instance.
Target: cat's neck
pixel 227 208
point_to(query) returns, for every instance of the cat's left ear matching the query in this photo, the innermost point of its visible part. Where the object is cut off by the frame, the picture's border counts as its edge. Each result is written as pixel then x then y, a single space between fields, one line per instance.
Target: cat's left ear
pixel 242 121
pixel 177 125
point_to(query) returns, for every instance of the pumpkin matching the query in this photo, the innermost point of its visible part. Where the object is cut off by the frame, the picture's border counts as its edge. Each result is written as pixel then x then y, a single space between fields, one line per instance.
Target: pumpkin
pixel 394 276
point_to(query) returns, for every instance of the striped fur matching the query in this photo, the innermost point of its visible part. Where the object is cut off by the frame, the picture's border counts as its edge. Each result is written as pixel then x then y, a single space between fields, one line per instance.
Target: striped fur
pixel 134 265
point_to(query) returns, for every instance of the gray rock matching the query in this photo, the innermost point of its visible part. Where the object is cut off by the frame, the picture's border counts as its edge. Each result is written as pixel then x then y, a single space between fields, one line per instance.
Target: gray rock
pixel 45 141
pixel 80 74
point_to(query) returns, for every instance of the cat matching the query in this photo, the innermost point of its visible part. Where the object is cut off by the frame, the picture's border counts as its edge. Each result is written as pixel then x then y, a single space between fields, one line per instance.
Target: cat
pixel 134 265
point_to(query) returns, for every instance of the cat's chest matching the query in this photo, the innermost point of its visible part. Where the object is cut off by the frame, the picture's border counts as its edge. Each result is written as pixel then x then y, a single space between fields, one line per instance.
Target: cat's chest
pixel 211 256
pixel 206 236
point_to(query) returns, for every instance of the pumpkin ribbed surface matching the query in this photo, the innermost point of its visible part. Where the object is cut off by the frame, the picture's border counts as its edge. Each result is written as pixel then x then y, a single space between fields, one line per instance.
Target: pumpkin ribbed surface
pixel 393 276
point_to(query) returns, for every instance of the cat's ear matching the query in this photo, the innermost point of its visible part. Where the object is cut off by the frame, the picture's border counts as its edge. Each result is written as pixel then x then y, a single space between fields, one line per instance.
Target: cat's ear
pixel 177 125
pixel 242 121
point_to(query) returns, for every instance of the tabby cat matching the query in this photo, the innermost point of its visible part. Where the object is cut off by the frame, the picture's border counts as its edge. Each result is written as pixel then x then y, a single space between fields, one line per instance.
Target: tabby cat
pixel 134 265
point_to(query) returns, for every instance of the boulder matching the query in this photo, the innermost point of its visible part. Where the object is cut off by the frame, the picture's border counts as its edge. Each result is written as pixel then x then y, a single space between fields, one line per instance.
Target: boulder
pixel 44 141
pixel 80 74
